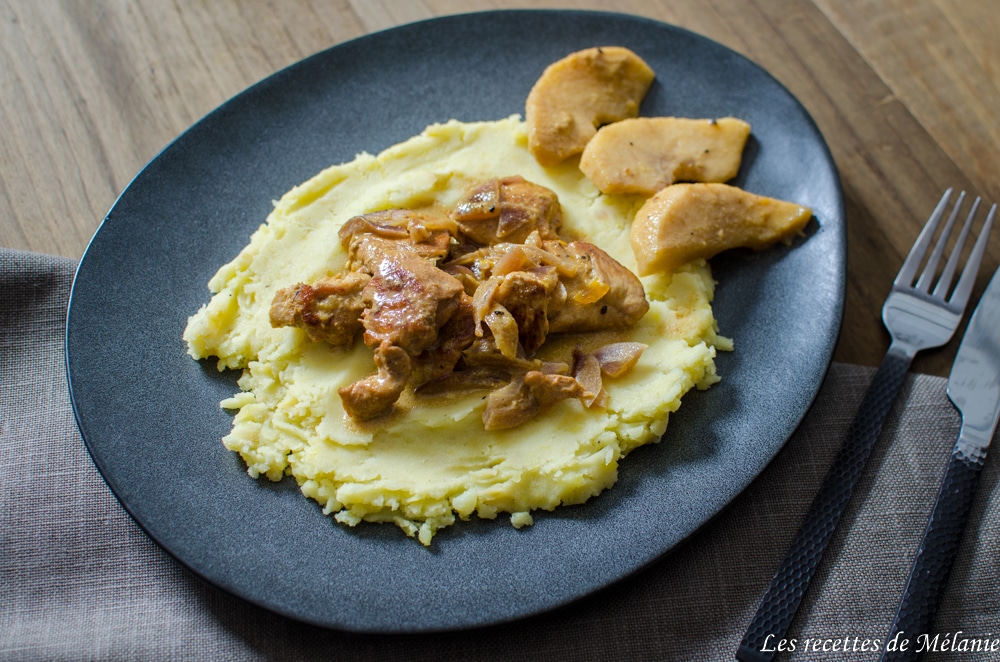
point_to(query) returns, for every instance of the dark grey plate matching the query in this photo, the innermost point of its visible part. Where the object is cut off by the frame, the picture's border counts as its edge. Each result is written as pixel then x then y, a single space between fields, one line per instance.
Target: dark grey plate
pixel 150 415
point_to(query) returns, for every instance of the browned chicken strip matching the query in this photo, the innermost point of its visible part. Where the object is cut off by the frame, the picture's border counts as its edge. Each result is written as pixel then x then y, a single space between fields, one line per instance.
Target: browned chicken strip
pixel 376 394
pixel 407 299
pixel 407 302
pixel 329 309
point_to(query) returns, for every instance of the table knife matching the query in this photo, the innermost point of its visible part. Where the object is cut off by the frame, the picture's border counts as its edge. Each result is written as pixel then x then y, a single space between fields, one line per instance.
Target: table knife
pixel 974 389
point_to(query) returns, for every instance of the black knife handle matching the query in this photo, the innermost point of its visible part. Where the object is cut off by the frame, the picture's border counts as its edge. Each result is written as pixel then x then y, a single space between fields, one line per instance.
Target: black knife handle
pixel 779 604
pixel 929 574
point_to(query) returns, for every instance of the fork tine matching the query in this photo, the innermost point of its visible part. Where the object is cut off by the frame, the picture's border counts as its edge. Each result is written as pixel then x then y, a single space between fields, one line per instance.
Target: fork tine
pixel 941 289
pixel 964 288
pixel 909 269
pixel 927 275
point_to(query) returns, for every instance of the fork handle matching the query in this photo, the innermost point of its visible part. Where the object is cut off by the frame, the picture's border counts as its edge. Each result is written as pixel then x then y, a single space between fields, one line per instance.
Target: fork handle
pixel 778 606
pixel 937 550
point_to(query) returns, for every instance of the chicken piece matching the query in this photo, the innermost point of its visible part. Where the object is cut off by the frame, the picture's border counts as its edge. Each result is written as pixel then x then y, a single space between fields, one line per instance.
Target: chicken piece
pixel 579 93
pixel 601 294
pixel 553 287
pixel 523 389
pixel 407 303
pixel 685 222
pixel 329 309
pixel 453 338
pixel 526 396
pixel 407 299
pixel 645 154
pixel 429 236
pixel 513 301
pixel 510 406
pixel 376 394
pixel 508 210
pixel 525 296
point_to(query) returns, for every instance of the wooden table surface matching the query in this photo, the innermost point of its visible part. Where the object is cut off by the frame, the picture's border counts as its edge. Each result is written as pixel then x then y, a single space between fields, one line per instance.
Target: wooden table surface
pixel 906 93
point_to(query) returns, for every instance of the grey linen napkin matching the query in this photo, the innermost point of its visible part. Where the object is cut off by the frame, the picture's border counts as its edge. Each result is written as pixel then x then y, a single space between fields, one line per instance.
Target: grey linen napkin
pixel 80 581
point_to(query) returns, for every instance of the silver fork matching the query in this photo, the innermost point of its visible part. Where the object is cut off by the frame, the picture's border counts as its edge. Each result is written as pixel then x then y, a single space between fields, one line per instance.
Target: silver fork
pixel 917 318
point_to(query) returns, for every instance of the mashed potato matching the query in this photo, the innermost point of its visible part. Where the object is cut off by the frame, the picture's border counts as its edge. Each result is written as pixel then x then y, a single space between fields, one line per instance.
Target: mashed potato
pixel 432 461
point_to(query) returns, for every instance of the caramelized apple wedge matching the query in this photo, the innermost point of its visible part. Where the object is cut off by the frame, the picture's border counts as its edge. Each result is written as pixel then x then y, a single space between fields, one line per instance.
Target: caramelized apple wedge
pixel 684 222
pixel 579 93
pixel 645 154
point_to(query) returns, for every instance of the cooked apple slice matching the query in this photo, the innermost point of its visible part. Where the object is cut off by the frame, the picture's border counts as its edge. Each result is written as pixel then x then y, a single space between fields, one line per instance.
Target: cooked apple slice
pixel 645 154
pixel 684 222
pixel 579 93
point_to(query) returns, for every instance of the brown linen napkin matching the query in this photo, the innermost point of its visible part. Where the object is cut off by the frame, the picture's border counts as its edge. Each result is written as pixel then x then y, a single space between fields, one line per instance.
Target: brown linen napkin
pixel 80 581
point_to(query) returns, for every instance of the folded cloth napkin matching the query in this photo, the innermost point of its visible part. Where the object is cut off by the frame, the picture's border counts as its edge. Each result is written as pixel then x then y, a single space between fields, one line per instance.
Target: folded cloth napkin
pixel 80 581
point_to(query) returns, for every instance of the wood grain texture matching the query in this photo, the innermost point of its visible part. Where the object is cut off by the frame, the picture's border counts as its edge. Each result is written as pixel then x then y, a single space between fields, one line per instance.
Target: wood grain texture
pixel 906 94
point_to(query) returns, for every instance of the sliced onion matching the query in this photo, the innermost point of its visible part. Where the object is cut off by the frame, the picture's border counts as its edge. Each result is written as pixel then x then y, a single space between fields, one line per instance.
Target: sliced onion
pixel 482 302
pixel 504 328
pixel 510 406
pixel 618 358
pixel 482 203
pixel 513 260
pixel 587 371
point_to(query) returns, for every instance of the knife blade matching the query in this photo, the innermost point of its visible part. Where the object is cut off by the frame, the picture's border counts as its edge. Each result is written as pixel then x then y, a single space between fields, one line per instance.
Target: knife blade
pixel 974 389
